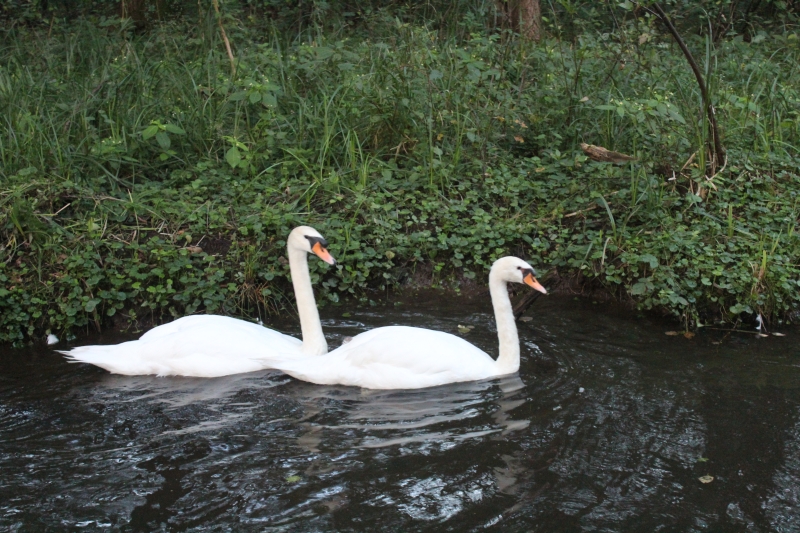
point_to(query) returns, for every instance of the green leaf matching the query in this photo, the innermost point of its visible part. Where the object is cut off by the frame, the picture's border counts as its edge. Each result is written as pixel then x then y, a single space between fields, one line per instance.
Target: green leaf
pixel 91 304
pixel 436 75
pixel 324 52
pixel 163 140
pixel 27 171
pixel 254 97
pixel 676 116
pixel 268 99
pixel 647 258
pixel 233 157
pixel 149 131
pixel 740 308
pixel 172 128
pixel 241 95
pixel 638 289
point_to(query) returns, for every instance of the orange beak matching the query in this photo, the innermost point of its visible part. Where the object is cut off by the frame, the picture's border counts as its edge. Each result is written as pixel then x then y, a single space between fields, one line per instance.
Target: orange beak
pixel 531 281
pixel 323 254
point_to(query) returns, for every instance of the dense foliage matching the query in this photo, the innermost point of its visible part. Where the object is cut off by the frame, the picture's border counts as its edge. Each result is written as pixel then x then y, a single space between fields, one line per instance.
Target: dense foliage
pixel 140 177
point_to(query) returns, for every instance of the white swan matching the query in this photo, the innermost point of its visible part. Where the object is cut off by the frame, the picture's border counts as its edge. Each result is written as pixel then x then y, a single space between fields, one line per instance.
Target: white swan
pixel 212 345
pixel 399 357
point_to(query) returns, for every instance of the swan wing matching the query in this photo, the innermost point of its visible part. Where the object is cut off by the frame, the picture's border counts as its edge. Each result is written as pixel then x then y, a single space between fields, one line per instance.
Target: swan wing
pixel 396 357
pixel 199 346
pixel 216 322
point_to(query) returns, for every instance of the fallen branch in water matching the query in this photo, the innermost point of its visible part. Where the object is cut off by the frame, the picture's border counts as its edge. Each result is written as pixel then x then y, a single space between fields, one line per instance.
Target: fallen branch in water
pixel 527 300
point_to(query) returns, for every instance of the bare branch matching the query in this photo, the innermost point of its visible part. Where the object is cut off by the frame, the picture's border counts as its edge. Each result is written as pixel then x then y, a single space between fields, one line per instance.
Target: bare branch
pixel 719 151
pixel 225 38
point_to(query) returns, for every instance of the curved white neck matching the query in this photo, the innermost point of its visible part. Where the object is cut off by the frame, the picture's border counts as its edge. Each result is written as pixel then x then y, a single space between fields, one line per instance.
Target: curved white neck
pixel 508 360
pixel 310 326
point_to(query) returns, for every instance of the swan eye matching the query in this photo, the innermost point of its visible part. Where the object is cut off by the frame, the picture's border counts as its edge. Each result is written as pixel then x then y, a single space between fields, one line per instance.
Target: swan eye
pixel 316 240
pixel 319 247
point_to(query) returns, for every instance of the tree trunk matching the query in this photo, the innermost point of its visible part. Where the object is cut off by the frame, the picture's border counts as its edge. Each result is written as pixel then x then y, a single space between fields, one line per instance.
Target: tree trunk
pixel 136 10
pixel 530 19
pixel 141 11
pixel 522 16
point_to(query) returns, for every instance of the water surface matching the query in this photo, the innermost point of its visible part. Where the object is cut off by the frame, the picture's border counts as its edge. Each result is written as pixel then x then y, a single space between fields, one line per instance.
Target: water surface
pixel 608 427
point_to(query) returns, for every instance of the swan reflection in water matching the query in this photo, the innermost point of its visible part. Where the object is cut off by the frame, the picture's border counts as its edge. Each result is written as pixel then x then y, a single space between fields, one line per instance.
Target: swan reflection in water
pixel 375 418
pixel 380 418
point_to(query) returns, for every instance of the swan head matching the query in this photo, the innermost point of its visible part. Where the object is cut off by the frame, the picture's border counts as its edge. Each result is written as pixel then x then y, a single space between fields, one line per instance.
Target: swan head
pixel 513 269
pixel 309 240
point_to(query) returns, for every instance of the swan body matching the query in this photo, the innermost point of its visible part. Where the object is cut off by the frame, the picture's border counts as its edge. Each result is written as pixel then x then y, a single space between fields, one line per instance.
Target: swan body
pixel 400 357
pixel 212 345
pixel 199 346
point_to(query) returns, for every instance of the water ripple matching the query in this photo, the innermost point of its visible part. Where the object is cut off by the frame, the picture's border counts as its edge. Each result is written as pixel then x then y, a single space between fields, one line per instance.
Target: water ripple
pixel 608 427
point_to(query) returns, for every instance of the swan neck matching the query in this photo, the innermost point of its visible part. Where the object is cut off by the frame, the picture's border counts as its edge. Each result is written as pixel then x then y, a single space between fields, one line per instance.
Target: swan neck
pixel 508 360
pixel 310 326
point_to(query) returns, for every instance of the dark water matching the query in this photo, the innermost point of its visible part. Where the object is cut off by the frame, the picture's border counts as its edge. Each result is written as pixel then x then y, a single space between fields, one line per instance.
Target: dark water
pixel 608 427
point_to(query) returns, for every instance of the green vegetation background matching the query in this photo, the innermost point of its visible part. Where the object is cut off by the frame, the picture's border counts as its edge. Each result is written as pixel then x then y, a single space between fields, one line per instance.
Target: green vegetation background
pixel 141 179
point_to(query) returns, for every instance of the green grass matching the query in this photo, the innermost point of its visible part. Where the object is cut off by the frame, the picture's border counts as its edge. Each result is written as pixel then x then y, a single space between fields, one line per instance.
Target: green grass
pixel 411 152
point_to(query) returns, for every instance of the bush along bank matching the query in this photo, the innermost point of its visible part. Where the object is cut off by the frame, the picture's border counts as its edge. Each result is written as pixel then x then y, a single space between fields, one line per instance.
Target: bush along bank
pixel 142 179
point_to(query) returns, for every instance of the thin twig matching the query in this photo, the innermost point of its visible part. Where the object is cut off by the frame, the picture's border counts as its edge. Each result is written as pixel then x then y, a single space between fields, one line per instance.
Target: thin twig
pixel 688 161
pixel 582 211
pixel 734 330
pixel 717 173
pixel 225 38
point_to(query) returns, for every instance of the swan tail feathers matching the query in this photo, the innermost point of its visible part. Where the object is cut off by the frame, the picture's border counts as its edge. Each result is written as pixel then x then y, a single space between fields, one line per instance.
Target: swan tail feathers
pixel 69 356
pixel 117 359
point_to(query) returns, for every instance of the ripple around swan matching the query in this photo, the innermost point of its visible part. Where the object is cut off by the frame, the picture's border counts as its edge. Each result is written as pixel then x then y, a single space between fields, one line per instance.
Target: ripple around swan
pixel 608 427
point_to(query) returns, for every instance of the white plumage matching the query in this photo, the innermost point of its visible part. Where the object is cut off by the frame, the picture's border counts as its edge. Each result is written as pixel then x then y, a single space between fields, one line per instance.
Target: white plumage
pixel 400 357
pixel 211 345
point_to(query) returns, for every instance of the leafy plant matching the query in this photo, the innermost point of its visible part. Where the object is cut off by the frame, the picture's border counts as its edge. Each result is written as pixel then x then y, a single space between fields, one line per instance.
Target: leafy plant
pixel 421 153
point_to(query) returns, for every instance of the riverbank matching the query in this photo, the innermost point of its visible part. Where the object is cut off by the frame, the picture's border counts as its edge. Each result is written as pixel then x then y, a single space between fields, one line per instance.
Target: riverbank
pixel 141 178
